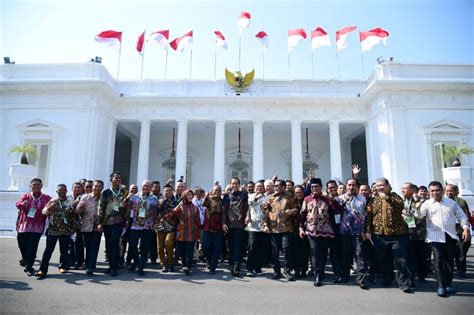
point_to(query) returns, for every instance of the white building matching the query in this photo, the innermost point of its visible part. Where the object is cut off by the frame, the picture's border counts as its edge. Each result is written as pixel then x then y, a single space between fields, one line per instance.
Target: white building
pixel 85 124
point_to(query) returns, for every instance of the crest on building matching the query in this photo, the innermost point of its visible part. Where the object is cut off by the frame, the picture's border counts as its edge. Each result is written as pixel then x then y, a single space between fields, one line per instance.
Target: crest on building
pixel 239 82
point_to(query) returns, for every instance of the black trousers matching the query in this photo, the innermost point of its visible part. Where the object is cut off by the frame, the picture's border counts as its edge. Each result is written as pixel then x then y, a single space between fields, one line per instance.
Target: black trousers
pixel 123 246
pixel 301 254
pixel 334 255
pixel 235 238
pixel 460 254
pixel 51 241
pixel 153 248
pixel 418 258
pixel 112 247
pixel 283 242
pixel 397 245
pixel 144 236
pixel 92 244
pixel 76 250
pixel 443 261
pixel 256 255
pixel 354 246
pixel 186 250
pixel 319 247
pixel 28 245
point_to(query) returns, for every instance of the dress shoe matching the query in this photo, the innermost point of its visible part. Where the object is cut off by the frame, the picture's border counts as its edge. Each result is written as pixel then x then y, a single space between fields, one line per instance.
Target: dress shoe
pixel 40 275
pixel 288 276
pixel 212 271
pixel 277 275
pixel 363 286
pixel 441 292
pixel 113 273
pixel 317 281
pixel 30 272
pixel 89 272
pixel 140 272
pixel 450 290
pixel 164 269
pixel 409 290
pixel 186 270
pixel 251 274
pixel 22 263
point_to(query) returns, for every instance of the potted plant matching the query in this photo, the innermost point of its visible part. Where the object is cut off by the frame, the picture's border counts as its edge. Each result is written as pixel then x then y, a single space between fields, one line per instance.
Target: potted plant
pixel 452 154
pixel 26 150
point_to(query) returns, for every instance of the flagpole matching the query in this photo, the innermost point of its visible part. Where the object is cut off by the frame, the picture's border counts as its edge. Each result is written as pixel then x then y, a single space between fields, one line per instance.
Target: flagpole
pixel 143 58
pixel 166 62
pixel 215 63
pixel 312 61
pixel 120 55
pixel 263 64
pixel 240 49
pixel 190 63
pixel 362 59
pixel 289 70
pixel 337 59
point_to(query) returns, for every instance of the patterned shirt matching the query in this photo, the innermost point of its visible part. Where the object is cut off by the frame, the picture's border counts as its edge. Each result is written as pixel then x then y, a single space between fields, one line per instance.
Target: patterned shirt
pixel 30 217
pixel 142 209
pixel 88 209
pixel 315 217
pixel 256 213
pixel 166 221
pixel 111 209
pixel 214 214
pixel 61 217
pixel 189 222
pixel 237 209
pixel 441 218
pixel 278 220
pixel 418 232
pixel 384 216
pixel 353 215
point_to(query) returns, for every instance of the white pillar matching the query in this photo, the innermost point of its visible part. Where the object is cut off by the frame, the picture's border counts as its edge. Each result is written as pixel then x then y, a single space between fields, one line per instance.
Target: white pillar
pixel 112 138
pixel 335 149
pixel 257 150
pixel 181 149
pixel 219 152
pixel 296 152
pixel 143 151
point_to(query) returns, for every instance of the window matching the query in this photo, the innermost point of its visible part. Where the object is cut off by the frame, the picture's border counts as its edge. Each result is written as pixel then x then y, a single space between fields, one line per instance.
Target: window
pixel 41 161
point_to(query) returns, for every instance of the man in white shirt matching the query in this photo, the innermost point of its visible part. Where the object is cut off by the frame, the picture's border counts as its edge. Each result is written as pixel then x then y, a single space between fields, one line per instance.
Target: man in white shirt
pixel 441 214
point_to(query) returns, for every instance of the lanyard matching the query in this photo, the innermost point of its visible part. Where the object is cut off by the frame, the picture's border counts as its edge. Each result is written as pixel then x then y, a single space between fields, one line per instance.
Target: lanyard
pixel 143 201
pixel 116 195
pixel 35 200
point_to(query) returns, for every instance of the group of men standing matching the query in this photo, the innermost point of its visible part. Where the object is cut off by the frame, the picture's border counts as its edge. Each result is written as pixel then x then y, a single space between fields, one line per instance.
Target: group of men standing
pixel 371 226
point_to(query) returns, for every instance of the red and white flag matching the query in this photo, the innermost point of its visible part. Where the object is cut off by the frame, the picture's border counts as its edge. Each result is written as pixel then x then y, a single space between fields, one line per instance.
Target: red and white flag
pixel 182 42
pixel 319 38
pixel 161 37
pixel 110 38
pixel 371 38
pixel 220 40
pixel 263 38
pixel 341 37
pixel 140 43
pixel 243 21
pixel 295 36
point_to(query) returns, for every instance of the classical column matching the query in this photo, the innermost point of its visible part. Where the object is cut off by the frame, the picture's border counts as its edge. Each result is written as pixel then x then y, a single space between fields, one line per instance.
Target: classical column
pixel 257 150
pixel 143 151
pixel 335 149
pixel 219 152
pixel 181 149
pixel 112 138
pixel 296 152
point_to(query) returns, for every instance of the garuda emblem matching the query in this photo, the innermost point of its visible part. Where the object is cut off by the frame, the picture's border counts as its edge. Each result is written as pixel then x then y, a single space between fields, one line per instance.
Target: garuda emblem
pixel 239 82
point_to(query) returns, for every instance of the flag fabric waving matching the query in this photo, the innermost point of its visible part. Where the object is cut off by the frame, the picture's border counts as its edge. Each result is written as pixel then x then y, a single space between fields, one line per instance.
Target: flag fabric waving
pixel 161 37
pixel 263 39
pixel 319 38
pixel 110 38
pixel 140 43
pixel 295 36
pixel 220 40
pixel 243 21
pixel 341 37
pixel 182 42
pixel 371 38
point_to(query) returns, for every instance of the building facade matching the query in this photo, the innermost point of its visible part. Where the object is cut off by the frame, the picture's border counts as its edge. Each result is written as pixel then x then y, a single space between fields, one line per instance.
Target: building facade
pixel 84 124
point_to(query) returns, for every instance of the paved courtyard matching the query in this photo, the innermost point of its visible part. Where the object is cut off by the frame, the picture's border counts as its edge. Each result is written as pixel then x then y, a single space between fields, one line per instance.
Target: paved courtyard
pixel 75 292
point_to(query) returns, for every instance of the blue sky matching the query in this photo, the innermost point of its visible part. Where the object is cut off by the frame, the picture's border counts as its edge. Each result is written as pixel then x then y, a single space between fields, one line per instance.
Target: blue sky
pixel 53 31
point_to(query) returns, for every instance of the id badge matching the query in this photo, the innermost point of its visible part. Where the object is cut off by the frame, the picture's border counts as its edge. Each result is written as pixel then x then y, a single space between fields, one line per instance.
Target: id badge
pixel 337 218
pixel 411 222
pixel 142 212
pixel 116 206
pixel 65 221
pixel 31 213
